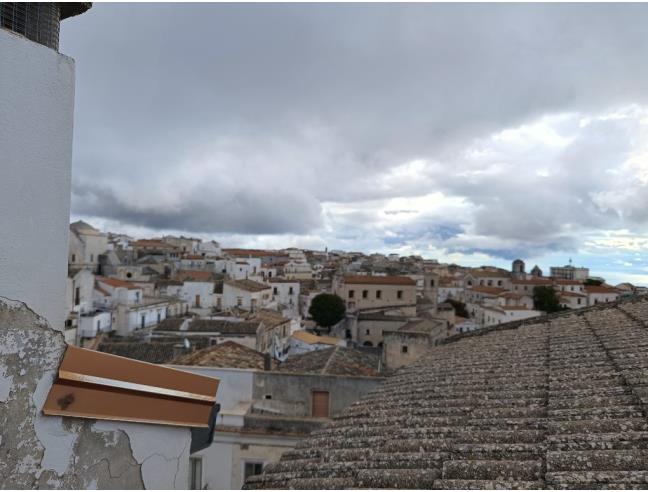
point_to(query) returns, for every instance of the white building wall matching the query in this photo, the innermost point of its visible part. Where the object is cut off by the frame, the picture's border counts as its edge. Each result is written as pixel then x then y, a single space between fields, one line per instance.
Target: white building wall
pixel 36 113
pixel 203 289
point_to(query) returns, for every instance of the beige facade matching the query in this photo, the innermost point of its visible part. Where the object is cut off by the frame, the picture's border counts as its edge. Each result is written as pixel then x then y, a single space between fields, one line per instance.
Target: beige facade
pixel 373 292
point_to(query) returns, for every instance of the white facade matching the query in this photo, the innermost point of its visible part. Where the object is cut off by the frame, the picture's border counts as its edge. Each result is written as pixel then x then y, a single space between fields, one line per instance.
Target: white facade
pixel 92 324
pixel 198 294
pixel 85 245
pixel 245 299
pixel 242 268
pixel 495 315
pixel 286 293
pixel 36 110
pixel 134 317
pixel 211 249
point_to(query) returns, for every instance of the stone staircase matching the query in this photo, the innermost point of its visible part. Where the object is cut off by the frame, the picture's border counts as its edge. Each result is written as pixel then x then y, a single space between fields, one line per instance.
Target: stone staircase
pixel 559 404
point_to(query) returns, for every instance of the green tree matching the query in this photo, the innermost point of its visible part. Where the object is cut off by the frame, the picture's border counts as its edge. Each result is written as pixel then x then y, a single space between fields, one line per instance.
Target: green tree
pixel 327 309
pixel 546 299
pixel 592 281
pixel 459 307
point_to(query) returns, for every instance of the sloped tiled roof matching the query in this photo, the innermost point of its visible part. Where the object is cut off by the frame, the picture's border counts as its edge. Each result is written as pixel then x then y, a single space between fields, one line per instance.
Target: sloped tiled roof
pixel 312 339
pixel 379 280
pixel 483 289
pixel 247 285
pixel 338 361
pixel 114 282
pixel 156 353
pixel 194 275
pixel 224 327
pixel 226 354
pixel 555 402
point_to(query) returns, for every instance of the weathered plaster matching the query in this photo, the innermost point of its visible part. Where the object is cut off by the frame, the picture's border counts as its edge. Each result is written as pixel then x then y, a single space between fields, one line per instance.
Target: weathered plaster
pixel 37 451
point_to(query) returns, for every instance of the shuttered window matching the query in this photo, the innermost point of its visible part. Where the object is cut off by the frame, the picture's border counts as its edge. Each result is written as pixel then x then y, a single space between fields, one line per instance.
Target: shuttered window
pixel 320 403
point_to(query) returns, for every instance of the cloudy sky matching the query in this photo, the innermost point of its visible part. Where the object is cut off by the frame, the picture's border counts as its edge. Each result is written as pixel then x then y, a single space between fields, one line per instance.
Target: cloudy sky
pixel 468 133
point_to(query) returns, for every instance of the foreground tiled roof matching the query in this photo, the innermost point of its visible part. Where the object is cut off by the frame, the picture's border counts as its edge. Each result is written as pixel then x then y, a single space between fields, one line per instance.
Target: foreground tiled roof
pixel 226 354
pixel 338 361
pixel 224 326
pixel 559 402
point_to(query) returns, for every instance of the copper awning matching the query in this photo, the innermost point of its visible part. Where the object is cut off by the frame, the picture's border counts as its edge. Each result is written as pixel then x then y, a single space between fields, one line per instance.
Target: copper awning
pixel 96 385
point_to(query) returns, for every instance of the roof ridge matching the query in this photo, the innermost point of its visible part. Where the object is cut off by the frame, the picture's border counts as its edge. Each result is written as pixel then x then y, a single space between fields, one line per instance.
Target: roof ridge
pixel 328 362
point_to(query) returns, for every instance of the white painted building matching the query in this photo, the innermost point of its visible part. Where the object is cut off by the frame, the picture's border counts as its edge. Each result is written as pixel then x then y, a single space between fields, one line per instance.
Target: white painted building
pixel 286 292
pixel 210 249
pixel 246 294
pixel 242 268
pixel 495 315
pixel 198 294
pixel 85 245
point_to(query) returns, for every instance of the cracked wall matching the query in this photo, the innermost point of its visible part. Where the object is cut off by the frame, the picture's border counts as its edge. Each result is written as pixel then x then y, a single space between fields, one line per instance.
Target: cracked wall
pixel 39 451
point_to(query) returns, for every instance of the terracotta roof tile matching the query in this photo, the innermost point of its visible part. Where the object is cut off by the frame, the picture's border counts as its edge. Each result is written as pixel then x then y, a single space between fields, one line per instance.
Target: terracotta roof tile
pixel 379 280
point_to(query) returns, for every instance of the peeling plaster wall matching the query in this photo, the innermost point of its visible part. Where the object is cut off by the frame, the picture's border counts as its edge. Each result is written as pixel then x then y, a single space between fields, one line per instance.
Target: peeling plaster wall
pixel 37 451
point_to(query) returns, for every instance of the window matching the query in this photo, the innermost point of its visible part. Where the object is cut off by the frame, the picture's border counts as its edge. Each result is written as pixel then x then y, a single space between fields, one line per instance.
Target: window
pixel 367 332
pixel 239 301
pixel 578 301
pixel 351 294
pixel 432 283
pixel 404 349
pixel 378 294
pixel 290 291
pixel 195 477
pixel 399 294
pixel 91 257
pixel 98 324
pixel 73 258
pixel 499 283
pixel 252 468
pixel 143 320
pixel 275 291
pixel 365 294
pixel 77 296
pixel 320 404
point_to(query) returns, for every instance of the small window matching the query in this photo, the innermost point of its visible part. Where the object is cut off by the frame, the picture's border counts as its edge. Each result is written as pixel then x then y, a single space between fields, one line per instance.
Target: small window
pixel 367 332
pixel 290 291
pixel 267 397
pixel 275 291
pixel 91 258
pixel 351 294
pixel 195 473
pixel 499 283
pixel 73 258
pixel 365 294
pixel 378 294
pixel 399 294
pixel 404 349
pixel 432 282
pixel 252 469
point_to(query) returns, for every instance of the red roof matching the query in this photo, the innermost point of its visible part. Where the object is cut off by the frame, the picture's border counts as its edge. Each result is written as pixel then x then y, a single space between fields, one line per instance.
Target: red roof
pixel 379 280
pixel 560 281
pixel 532 281
pixel 488 290
pixel 114 282
pixel 600 289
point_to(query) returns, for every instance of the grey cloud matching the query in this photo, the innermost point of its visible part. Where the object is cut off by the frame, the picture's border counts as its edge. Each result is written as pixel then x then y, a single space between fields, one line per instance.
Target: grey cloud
pixel 242 212
pixel 313 103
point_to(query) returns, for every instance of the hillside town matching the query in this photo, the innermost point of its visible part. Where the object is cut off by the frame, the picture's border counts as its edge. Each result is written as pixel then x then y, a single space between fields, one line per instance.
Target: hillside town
pixel 174 363
pixel 244 316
